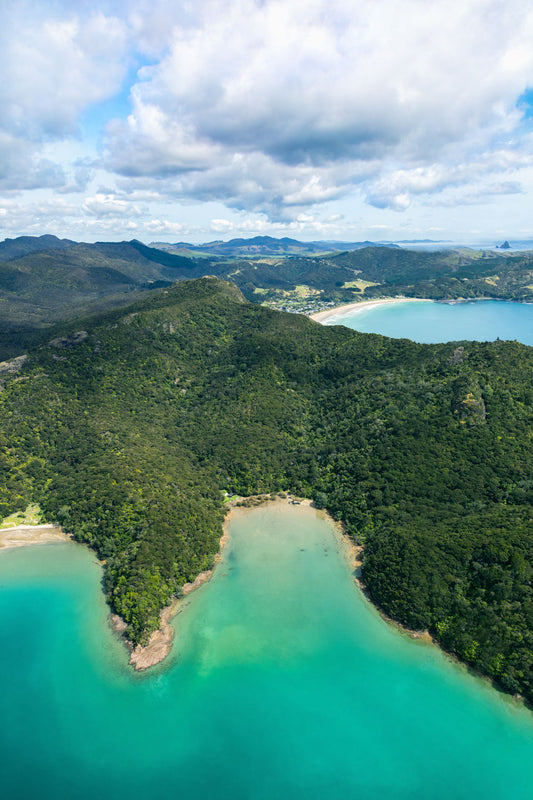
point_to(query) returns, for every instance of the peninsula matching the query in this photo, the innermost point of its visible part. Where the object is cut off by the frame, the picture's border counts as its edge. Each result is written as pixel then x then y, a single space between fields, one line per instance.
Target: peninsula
pixel 131 436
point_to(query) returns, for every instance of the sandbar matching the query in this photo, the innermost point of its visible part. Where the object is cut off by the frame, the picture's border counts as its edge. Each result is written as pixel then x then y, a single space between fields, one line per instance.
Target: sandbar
pixel 350 308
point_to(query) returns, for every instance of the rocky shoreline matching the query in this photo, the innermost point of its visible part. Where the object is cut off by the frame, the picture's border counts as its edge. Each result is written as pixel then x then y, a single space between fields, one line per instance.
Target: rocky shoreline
pixel 160 643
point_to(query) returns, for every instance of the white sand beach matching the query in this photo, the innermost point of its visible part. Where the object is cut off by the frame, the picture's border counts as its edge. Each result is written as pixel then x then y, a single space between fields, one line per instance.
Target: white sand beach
pixel 340 311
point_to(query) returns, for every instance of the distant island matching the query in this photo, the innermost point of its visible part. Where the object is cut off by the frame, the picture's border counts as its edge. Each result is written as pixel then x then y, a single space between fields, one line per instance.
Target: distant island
pixel 131 429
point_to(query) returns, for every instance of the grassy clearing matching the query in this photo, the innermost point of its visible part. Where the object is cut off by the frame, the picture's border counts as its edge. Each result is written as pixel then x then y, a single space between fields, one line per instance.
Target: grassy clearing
pixel 31 516
pixel 359 284
pixel 303 291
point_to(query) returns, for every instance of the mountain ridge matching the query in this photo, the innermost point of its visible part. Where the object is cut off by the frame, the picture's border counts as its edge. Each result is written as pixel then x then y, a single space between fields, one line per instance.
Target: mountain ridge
pixel 266 245
pixel 40 288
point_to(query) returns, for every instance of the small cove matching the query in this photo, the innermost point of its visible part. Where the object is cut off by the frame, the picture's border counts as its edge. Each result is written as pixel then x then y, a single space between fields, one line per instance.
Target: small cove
pixel 283 682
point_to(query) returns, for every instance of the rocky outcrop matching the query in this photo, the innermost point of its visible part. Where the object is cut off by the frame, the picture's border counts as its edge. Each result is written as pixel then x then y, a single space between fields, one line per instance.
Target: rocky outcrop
pixel 69 341
pixel 457 356
pixel 12 366
pixel 469 407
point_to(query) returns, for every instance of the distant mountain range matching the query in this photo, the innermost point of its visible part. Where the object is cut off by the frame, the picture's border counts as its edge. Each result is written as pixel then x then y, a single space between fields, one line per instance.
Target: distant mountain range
pixel 44 280
pixel 23 245
pixel 264 246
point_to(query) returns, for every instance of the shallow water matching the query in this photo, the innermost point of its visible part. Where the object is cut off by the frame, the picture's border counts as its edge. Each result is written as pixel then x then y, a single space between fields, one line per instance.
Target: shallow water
pixel 430 322
pixel 284 682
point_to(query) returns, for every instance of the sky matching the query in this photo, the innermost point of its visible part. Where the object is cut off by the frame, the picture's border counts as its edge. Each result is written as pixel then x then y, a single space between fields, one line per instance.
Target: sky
pixel 174 120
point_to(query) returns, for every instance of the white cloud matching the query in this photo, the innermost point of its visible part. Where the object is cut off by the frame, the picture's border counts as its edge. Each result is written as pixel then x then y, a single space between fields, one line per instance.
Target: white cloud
pixel 34 218
pixel 258 103
pixel 272 107
pixel 52 70
pixel 55 70
pixel 222 225
pixel 22 168
pixel 108 205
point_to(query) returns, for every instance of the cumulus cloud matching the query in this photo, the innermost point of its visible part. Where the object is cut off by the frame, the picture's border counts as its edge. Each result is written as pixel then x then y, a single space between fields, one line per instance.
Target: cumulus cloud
pixel 484 193
pixel 52 70
pixel 21 168
pixel 35 218
pixel 273 107
pixel 251 95
pixel 253 182
pixel 58 69
pixel 80 175
pixel 396 188
pixel 97 218
pixel 254 226
pixel 109 205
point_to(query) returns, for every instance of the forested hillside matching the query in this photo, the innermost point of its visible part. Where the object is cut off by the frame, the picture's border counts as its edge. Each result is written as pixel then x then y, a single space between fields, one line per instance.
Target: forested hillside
pixel 44 280
pixel 129 432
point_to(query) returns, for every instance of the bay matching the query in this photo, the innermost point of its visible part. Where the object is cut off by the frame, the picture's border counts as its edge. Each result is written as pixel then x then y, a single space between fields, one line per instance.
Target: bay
pixel 431 322
pixel 283 682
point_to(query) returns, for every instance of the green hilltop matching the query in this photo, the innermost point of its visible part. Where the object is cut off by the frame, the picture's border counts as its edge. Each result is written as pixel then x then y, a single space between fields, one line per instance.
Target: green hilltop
pixel 128 428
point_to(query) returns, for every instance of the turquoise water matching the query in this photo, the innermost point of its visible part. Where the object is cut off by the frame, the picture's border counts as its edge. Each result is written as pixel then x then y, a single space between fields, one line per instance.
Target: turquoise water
pixel 283 683
pixel 430 322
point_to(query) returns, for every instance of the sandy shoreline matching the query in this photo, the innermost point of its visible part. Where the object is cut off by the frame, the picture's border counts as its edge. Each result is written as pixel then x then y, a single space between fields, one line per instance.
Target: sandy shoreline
pixel 332 313
pixel 356 552
pixel 161 640
pixel 24 535
pixel 353 554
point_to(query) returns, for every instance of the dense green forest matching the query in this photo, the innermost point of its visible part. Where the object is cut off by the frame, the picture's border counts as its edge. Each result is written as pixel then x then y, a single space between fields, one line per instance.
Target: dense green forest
pixel 129 433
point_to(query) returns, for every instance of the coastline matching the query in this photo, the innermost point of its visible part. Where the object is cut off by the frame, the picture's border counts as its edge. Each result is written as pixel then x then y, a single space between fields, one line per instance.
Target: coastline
pixel 160 643
pixel 353 553
pixel 24 535
pixel 423 636
pixel 349 550
pixel 161 640
pixel 332 313
pixel 143 657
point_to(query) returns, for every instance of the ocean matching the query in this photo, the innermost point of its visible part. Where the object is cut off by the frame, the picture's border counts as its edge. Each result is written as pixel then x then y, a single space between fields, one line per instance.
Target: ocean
pixel 283 682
